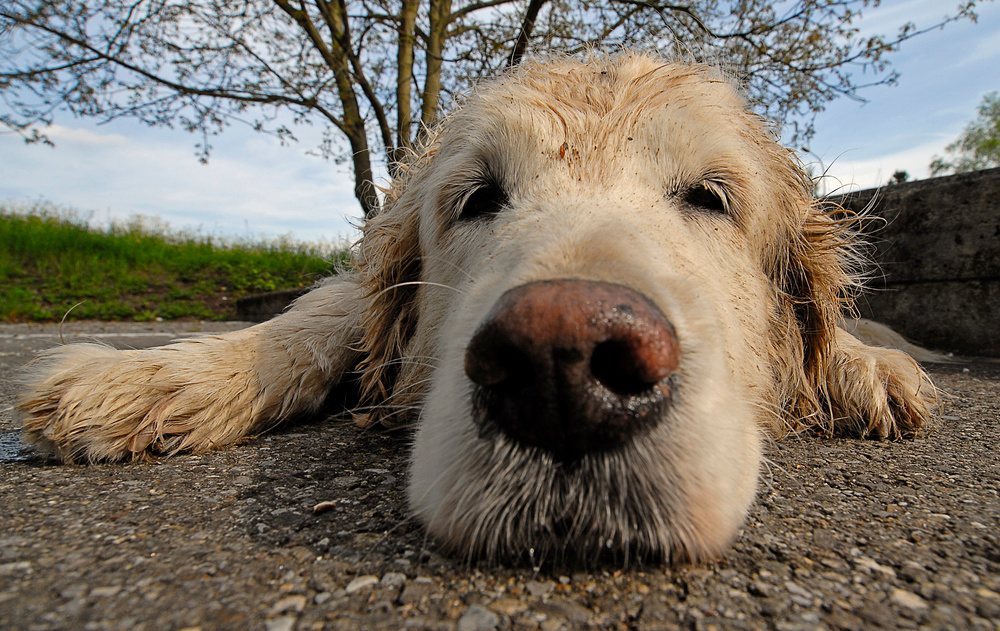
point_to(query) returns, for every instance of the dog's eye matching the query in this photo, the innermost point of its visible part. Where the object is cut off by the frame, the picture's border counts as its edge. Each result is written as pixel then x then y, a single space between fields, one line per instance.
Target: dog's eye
pixel 706 196
pixel 484 202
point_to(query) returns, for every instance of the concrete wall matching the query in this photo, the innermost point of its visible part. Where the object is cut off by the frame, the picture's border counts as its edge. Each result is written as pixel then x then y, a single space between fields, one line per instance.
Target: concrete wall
pixel 938 256
pixel 260 307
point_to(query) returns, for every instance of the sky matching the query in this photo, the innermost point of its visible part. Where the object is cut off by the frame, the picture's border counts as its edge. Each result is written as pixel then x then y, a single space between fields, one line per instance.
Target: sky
pixel 254 187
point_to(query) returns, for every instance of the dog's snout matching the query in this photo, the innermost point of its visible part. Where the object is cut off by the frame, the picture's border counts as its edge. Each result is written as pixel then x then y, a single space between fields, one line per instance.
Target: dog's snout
pixel 572 366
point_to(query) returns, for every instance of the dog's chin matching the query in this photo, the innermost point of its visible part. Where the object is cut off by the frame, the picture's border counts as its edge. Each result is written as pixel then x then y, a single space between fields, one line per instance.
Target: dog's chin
pixel 500 502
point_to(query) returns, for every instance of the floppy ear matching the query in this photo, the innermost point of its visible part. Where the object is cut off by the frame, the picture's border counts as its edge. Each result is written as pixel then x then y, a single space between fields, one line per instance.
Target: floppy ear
pixel 390 267
pixel 843 386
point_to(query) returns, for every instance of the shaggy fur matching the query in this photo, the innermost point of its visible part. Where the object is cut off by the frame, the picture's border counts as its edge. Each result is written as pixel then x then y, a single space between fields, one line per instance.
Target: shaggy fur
pixel 625 171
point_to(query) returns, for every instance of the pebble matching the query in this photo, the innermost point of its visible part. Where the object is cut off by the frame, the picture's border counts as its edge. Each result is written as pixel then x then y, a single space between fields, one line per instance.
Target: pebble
pixel 289 603
pixel 909 600
pixel 567 609
pixel 478 618
pixel 913 572
pixel 797 589
pixel 874 567
pixel 395 580
pixel 284 623
pixel 322 597
pixel 538 589
pixel 509 606
pixel 360 583
pixel 799 595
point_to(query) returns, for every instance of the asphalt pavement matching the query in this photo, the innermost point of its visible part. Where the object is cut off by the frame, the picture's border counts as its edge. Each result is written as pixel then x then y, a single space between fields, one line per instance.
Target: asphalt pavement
pixel 846 534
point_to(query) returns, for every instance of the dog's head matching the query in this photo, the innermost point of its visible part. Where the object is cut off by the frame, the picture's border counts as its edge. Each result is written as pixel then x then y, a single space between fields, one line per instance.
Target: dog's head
pixel 594 291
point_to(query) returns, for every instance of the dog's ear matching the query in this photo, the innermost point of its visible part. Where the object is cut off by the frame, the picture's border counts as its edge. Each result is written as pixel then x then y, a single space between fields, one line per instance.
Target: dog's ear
pixel 390 267
pixel 839 385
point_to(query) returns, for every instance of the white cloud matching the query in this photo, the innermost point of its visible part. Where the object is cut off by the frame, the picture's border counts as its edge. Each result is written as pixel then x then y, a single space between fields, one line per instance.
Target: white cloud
pixel 251 184
pixel 80 136
pixel 846 174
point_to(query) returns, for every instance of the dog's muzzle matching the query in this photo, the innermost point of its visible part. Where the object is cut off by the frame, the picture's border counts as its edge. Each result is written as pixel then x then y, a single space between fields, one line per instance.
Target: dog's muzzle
pixel 572 366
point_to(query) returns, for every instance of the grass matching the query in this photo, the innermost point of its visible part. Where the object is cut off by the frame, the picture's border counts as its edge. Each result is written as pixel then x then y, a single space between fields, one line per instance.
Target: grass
pixel 52 263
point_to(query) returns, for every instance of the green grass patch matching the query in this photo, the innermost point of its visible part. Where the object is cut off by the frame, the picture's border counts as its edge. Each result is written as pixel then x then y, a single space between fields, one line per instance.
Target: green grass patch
pixel 53 263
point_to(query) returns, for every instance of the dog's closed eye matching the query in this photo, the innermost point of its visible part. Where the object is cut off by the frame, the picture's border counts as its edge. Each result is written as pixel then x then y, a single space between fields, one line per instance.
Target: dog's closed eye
pixel 707 197
pixel 486 200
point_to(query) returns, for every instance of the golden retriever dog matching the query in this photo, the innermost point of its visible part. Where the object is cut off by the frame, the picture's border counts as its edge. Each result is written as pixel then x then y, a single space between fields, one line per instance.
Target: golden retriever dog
pixel 594 293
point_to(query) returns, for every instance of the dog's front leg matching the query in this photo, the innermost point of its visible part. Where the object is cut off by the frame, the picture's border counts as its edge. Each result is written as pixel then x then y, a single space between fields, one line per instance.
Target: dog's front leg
pixel 92 402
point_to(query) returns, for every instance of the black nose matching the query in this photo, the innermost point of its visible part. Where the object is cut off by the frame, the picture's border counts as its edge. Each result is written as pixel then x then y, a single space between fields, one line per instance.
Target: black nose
pixel 572 366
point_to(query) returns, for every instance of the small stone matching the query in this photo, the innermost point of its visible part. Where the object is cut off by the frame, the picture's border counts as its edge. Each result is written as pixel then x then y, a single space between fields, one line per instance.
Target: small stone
pixel 509 606
pixel 989 609
pixel 415 591
pixel 874 567
pixel 322 597
pixel 395 580
pixel 553 624
pixel 567 609
pixel 284 623
pixel 988 593
pixel 289 603
pixel 346 481
pixel 105 592
pixel 539 590
pixel 772 607
pixel 477 618
pixel 73 591
pixel 909 600
pixel 360 583
pixel 796 589
pixel 913 572
pixel 845 621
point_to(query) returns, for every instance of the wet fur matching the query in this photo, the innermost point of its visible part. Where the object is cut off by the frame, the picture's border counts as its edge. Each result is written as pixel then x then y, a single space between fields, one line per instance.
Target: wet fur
pixel 596 156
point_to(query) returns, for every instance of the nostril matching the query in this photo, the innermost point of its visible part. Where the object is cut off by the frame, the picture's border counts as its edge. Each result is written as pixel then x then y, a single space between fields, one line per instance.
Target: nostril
pixel 490 365
pixel 614 365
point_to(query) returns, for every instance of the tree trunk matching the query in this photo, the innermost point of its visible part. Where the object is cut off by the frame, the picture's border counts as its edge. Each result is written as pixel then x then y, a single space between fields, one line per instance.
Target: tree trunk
pixel 404 77
pixel 524 35
pixel 440 17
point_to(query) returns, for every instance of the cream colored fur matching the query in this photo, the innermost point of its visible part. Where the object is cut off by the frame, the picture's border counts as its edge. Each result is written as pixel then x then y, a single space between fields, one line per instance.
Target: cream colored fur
pixel 91 402
pixel 595 160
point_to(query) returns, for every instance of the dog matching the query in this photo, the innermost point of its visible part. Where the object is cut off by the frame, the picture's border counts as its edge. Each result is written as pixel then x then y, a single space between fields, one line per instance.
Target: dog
pixel 595 292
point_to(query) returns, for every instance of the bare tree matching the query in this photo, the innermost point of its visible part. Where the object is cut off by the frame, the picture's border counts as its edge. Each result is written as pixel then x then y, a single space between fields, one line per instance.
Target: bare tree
pixel 376 73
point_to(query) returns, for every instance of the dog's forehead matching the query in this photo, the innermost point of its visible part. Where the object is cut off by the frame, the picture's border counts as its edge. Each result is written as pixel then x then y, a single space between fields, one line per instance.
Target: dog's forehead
pixel 585 110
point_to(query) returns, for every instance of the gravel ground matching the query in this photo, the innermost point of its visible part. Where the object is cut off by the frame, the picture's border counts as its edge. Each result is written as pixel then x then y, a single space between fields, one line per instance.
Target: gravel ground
pixel 846 535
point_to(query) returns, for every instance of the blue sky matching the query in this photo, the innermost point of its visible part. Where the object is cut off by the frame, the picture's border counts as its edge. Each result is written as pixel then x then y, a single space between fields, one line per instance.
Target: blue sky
pixel 253 186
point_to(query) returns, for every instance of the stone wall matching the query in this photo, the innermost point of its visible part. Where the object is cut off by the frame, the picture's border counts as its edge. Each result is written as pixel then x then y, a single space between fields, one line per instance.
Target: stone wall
pixel 938 255
pixel 260 307
pixel 937 279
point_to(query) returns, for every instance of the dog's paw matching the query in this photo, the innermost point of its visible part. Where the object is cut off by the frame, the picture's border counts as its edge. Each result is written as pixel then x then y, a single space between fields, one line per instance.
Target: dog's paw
pixel 91 402
pixel 877 392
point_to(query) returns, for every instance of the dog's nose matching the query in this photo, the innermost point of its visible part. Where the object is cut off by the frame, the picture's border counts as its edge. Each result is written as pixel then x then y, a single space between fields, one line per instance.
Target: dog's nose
pixel 572 366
